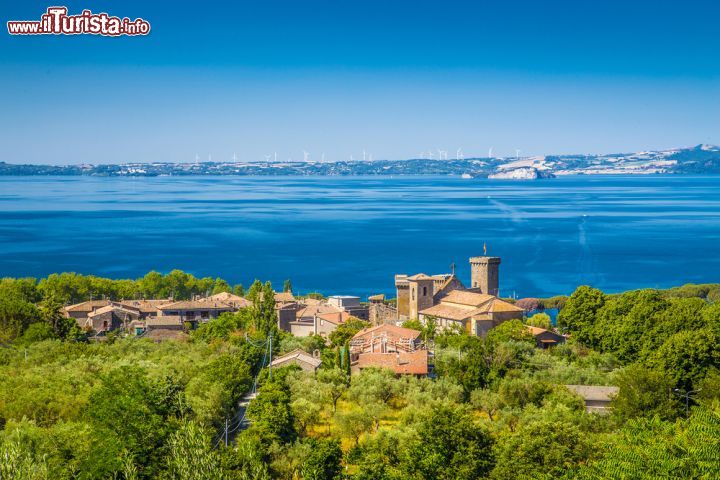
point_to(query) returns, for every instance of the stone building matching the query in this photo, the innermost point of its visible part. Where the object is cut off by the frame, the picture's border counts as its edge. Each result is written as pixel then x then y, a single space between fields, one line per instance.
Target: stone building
pixel 476 313
pixel 445 297
pixel 309 363
pixel 388 346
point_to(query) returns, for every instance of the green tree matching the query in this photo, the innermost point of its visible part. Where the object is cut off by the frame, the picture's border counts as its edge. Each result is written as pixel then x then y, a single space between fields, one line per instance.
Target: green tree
pixel 15 316
pixel 335 384
pixel 190 455
pixel 221 286
pixel 644 392
pixel 687 356
pixel 346 330
pixel 448 444
pixel 578 313
pixel 287 286
pixel 540 450
pixel 323 462
pixel 541 320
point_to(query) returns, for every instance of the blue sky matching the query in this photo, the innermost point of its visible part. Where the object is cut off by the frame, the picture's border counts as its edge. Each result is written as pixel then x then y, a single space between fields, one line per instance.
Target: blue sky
pixel 391 78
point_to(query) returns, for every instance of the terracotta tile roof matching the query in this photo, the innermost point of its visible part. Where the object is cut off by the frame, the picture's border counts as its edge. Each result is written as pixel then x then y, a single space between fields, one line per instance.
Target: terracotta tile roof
pixel 498 305
pixel 536 330
pixel 202 304
pixel 450 312
pixel 408 363
pixel 145 306
pixel 88 306
pixel 463 297
pixel 231 299
pixel 312 310
pixel 420 276
pixel 297 354
pixel 164 321
pixel 594 392
pixel 160 334
pixel 378 297
pixel 284 297
pixel 388 330
pixel 335 317
pixel 311 301
pixel 114 307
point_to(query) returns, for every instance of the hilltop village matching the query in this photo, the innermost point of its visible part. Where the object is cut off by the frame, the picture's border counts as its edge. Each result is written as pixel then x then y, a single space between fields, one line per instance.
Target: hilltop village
pixel 442 300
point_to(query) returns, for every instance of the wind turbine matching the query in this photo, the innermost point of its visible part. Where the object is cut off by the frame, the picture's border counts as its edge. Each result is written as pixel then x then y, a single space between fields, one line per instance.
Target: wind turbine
pixel 275 157
pixel 364 155
pixel 517 154
pixel 306 156
pixel 209 157
pixel 197 157
pixel 459 155
pixel 490 153
pixel 322 157
pixel 234 157
pixel 267 158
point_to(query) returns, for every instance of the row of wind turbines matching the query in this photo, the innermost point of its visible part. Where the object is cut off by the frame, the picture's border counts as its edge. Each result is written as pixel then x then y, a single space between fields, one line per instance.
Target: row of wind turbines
pixel 366 156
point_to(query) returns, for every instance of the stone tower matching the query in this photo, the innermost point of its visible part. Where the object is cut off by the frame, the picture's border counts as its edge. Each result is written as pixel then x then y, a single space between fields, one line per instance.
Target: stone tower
pixel 421 294
pixel 485 274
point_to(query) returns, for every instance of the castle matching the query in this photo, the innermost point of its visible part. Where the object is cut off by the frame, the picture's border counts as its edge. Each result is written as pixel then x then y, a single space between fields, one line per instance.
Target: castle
pixel 446 299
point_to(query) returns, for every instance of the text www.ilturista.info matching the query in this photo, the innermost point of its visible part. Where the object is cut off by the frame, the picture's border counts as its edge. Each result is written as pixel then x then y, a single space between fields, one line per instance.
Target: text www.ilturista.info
pixel 57 22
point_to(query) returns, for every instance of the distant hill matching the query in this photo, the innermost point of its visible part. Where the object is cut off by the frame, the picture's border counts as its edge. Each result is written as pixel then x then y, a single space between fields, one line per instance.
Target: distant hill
pixel 701 159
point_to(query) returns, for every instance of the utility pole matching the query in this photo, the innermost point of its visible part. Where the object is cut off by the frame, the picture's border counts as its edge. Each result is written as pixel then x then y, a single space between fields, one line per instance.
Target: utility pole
pixel 226 431
pixel 270 363
pixel 686 395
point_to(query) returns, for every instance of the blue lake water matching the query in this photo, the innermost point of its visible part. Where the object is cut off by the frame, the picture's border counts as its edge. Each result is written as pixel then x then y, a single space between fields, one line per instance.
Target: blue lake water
pixel 350 235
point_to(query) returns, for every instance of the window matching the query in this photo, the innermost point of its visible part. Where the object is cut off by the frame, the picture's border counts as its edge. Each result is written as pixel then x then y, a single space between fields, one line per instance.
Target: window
pixel 413 293
pixel 424 291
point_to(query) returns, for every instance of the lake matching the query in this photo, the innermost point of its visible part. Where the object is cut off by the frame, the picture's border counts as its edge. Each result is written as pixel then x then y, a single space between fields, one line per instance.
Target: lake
pixel 350 235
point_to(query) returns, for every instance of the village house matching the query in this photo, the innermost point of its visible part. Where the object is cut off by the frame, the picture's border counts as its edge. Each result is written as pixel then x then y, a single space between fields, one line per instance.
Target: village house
pixel 310 317
pixel 194 311
pixel 389 346
pixel 309 363
pixel 545 338
pixel 597 397
pixel 137 316
pixel 349 304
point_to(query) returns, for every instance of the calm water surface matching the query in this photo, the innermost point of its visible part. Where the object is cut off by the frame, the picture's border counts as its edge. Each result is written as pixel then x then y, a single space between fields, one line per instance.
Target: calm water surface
pixel 351 235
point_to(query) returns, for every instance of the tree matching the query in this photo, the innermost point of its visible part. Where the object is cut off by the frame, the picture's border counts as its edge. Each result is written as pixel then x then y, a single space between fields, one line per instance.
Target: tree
pixel 511 330
pixel 239 290
pixel 287 286
pixel 221 286
pixel 578 313
pixel 541 450
pixel 271 413
pixel 541 320
pixel 644 392
pixel 687 356
pixel 15 316
pixel 335 384
pixel 353 423
pixel 323 462
pixel 191 456
pixel 38 332
pixel 448 445
pixel 346 330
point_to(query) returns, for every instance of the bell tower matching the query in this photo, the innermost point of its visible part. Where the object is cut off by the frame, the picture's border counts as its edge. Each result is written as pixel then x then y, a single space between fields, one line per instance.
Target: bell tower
pixel 485 274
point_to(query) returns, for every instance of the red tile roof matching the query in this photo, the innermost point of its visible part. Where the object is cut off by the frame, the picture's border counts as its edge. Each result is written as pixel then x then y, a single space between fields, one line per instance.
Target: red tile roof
pixel 403 363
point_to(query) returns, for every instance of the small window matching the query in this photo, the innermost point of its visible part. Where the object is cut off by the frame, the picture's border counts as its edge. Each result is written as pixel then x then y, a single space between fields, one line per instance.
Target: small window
pixel 413 294
pixel 424 291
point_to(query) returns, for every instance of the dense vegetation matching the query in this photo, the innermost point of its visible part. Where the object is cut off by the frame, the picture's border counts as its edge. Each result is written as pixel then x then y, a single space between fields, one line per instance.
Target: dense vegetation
pixel 132 409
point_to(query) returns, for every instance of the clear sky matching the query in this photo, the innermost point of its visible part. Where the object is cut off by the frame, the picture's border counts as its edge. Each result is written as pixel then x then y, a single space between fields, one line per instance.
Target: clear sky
pixel 336 77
